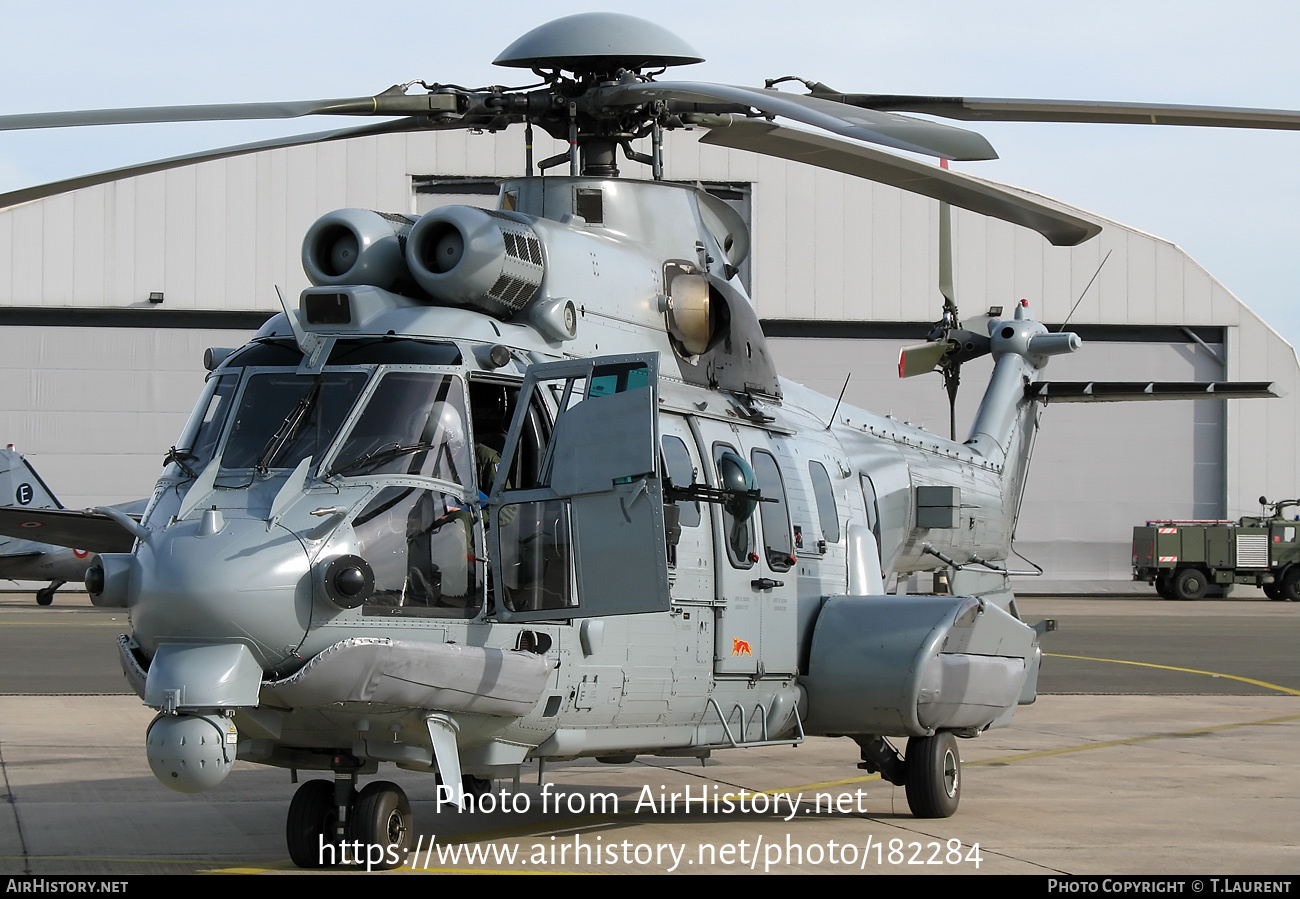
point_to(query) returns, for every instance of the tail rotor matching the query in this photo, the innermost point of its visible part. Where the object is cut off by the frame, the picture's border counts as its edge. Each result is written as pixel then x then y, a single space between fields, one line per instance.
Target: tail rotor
pixel 951 341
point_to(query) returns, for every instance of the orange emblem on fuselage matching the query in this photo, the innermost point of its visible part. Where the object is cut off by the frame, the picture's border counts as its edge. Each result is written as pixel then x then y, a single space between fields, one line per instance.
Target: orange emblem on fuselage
pixel 741 647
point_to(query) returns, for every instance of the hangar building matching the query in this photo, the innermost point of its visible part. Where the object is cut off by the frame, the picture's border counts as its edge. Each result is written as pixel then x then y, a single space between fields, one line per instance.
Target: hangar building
pixel 111 290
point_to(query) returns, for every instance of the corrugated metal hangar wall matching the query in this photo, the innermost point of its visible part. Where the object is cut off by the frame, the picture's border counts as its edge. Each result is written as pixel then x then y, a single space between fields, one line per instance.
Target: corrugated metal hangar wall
pixel 96 380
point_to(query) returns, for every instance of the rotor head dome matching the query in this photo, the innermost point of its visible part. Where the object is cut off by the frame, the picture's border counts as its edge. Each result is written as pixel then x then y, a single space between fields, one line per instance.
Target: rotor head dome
pixel 598 41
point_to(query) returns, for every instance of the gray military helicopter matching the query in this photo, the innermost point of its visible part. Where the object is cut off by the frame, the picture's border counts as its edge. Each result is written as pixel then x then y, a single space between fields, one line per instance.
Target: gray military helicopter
pixel 37 513
pixel 524 484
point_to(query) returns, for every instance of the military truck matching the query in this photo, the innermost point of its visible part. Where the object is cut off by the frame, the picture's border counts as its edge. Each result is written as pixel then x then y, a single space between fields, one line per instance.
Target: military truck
pixel 1183 558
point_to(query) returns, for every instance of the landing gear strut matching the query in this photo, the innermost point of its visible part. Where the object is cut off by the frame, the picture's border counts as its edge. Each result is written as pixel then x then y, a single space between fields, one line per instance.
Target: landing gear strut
pixel 45 596
pixel 931 771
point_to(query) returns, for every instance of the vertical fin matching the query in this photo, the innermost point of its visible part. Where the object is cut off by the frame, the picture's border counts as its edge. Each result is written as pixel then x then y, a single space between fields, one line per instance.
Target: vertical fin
pixel 20 485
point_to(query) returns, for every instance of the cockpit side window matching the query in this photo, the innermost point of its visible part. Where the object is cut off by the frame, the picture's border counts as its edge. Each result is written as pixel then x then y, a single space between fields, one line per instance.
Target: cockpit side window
pixel 534 537
pixel 492 406
pixel 423 549
pixel 199 442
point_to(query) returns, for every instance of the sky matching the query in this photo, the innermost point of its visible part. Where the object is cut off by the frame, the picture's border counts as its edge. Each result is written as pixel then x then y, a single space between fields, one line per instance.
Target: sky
pixel 1226 197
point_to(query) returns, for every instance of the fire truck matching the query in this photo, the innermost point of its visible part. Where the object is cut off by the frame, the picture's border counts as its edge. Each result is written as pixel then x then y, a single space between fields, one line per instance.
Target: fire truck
pixel 1184 558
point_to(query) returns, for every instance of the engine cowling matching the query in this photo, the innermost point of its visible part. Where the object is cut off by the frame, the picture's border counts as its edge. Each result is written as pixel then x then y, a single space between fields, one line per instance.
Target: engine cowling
pixel 467 256
pixel 356 246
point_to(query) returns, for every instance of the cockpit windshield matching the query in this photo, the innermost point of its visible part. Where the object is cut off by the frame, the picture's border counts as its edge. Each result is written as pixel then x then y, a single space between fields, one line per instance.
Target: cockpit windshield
pixel 283 417
pixel 413 424
pixel 260 411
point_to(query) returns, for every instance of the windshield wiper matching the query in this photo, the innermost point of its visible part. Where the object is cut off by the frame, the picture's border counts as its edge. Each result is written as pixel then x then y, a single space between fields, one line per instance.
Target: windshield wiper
pixel 381 455
pixel 289 427
pixel 180 457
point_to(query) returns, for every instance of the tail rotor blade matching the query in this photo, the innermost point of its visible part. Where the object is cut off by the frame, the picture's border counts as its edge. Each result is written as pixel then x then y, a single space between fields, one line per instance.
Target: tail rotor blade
pixel 945 258
pixel 920 359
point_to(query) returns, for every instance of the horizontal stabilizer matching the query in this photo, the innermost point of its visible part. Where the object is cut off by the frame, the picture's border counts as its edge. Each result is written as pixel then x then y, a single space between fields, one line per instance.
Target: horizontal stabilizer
pixel 86 530
pixel 1127 391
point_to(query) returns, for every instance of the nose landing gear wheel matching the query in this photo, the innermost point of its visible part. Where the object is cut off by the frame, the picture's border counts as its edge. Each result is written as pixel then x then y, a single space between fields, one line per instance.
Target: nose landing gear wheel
pixel 310 823
pixel 382 817
pixel 933 770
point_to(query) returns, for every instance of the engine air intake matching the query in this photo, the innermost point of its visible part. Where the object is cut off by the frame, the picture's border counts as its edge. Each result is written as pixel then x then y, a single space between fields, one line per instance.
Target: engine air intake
pixel 356 246
pixel 467 256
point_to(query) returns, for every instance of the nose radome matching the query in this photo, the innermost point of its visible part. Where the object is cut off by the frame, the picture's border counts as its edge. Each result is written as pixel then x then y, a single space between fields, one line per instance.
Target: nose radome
pixel 241 584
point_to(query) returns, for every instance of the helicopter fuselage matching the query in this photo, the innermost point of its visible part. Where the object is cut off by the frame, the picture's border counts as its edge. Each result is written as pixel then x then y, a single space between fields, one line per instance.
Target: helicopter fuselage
pixel 398 531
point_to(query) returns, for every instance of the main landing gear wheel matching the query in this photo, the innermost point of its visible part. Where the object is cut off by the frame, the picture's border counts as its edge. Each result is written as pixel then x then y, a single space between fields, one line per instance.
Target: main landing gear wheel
pixel 382 817
pixel 1189 584
pixel 311 822
pixel 933 769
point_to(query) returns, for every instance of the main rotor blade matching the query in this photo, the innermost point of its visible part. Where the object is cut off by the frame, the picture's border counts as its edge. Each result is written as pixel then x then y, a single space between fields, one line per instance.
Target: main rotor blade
pixel 886 129
pixel 982 109
pixel 385 104
pixel 977 195
pixel 40 191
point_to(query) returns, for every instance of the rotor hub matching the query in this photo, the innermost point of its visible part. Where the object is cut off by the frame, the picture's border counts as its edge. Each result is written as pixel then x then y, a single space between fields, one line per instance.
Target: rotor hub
pixel 598 42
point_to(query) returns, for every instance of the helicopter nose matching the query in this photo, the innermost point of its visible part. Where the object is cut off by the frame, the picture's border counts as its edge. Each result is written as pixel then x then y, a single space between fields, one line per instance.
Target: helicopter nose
pixel 239 584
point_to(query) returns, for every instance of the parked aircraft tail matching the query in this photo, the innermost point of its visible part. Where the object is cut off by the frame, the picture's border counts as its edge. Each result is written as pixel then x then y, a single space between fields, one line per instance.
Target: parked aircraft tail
pixel 20 485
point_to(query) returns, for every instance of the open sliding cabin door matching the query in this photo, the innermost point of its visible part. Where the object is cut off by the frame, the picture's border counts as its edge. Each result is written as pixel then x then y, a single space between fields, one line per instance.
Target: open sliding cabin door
pixel 587 538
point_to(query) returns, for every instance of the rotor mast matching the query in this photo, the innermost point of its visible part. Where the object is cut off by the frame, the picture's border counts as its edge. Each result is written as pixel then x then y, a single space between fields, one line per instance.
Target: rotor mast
pixel 599 49
pixel 595 136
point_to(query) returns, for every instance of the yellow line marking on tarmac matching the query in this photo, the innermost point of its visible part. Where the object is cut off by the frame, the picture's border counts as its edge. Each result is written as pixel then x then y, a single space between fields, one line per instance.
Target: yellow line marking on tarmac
pixel 826 784
pixel 1044 753
pixel 1246 680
